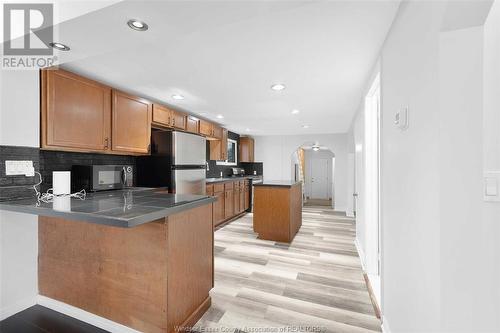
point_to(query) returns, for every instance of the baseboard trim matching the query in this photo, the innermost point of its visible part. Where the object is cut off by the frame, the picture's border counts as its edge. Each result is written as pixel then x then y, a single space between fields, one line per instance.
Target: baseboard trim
pixel 83 315
pixel 385 325
pixel 360 253
pixel 19 306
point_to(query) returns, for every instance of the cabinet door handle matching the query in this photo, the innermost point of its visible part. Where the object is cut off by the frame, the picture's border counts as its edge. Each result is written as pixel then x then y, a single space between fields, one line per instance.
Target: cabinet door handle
pixel 173 121
pixel 106 143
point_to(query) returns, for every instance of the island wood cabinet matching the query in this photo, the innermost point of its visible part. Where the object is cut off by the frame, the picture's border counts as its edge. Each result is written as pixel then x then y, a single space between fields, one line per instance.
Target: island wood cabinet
pixel 154 277
pixel 78 114
pixel 246 149
pixel 131 123
pixel 75 113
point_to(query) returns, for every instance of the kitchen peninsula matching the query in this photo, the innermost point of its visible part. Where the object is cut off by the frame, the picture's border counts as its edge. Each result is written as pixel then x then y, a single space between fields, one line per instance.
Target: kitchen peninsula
pixel 140 257
pixel 277 210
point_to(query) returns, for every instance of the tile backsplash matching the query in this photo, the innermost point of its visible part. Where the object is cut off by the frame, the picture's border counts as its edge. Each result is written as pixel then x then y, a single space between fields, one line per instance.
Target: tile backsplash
pixel 45 162
pixel 18 186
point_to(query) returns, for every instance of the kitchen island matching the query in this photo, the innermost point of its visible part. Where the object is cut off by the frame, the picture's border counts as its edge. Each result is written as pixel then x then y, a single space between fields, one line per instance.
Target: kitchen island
pixel 141 258
pixel 277 210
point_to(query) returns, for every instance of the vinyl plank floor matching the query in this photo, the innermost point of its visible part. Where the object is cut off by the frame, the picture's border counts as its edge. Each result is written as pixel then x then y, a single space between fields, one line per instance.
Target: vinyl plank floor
pixel 314 282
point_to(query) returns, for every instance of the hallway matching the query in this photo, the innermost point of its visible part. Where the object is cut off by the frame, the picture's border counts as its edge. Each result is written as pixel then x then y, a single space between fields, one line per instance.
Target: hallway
pixel 316 281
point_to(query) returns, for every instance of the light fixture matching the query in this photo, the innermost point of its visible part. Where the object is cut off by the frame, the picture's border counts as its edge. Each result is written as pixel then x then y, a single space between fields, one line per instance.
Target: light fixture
pixel 295 111
pixel 137 25
pixel 316 148
pixel 177 96
pixel 219 116
pixel 59 46
pixel 278 86
pixel 248 129
pixel 305 126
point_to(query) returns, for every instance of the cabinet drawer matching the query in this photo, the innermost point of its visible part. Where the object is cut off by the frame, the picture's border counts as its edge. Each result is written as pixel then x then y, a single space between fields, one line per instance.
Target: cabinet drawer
pixel 219 187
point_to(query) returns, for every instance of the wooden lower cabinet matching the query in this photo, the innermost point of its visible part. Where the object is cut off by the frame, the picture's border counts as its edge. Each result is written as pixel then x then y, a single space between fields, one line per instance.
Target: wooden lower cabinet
pixel 228 204
pixel 233 198
pixel 218 208
pixel 153 277
pixel 247 196
pixel 236 199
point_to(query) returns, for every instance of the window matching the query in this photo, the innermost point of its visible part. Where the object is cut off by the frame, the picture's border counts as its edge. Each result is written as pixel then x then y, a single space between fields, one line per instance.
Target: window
pixel 232 153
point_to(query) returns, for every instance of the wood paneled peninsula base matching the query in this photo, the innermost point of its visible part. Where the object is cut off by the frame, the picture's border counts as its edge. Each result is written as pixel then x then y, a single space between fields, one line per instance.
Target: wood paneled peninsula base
pixel 277 210
pixel 154 277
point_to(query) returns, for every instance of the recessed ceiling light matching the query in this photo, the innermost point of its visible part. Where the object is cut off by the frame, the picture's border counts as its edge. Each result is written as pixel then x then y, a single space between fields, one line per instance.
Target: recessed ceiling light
pixel 219 116
pixel 295 111
pixel 305 126
pixel 248 129
pixel 59 46
pixel 137 25
pixel 315 148
pixel 278 86
pixel 177 96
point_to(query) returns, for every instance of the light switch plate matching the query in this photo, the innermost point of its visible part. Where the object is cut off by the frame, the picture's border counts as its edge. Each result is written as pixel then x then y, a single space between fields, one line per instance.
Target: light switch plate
pixel 17 168
pixel 491 191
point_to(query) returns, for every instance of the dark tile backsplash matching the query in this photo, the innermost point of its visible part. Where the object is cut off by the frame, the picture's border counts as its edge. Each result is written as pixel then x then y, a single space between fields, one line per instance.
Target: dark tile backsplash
pixel 18 186
pixel 45 162
pixel 62 161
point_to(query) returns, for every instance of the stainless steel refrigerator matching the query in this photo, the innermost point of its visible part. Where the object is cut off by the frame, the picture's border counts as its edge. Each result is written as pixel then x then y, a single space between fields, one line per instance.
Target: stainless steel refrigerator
pixel 177 161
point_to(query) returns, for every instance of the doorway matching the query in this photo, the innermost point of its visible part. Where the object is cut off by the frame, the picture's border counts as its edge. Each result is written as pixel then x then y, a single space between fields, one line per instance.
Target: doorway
pixel 372 185
pixel 320 179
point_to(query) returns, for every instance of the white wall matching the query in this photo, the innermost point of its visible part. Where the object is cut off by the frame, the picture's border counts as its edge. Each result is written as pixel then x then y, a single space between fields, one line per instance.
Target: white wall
pixel 440 250
pixel 491 156
pixel 310 156
pixel 411 299
pixel 275 152
pixel 19 126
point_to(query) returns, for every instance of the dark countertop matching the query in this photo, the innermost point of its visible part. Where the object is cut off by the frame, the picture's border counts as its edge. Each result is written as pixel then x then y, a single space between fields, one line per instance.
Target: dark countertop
pixel 119 208
pixel 227 179
pixel 282 183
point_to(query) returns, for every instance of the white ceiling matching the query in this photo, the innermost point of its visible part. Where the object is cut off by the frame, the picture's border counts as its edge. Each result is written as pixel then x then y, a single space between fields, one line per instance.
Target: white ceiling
pixel 224 56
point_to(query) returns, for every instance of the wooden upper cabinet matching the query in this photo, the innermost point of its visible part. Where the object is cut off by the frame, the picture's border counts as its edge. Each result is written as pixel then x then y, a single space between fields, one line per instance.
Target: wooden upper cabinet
pixel 246 149
pixel 75 112
pixel 131 123
pixel 162 116
pixel 192 124
pixel 178 120
pixel 206 128
pixel 217 132
pixel 224 144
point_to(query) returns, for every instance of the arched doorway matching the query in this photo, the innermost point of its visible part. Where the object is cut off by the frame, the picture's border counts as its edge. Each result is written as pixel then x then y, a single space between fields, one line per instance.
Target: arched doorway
pixel 314 165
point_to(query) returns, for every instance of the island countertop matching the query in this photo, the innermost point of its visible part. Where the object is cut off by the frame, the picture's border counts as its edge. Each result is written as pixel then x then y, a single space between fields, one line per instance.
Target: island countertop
pixel 120 208
pixel 283 183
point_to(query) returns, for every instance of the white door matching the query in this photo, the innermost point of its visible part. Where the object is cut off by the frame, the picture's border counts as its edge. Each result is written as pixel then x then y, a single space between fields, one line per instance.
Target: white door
pixel 319 178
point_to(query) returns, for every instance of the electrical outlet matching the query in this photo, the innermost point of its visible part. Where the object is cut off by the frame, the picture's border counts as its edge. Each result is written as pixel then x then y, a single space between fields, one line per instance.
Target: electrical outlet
pixel 16 168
